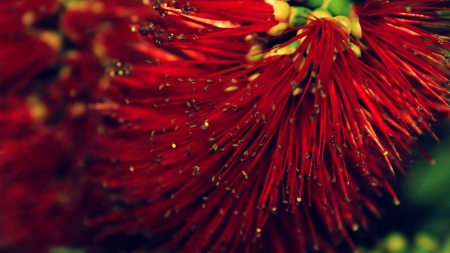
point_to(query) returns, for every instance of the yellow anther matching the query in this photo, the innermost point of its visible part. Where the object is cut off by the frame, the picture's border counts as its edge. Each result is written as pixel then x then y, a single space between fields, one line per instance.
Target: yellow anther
pixel 231 88
pixel 28 18
pixel 297 91
pixel 52 39
pixel 253 77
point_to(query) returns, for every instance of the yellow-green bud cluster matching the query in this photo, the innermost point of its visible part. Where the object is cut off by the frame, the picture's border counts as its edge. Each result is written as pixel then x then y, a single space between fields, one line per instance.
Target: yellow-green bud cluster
pixel 341 12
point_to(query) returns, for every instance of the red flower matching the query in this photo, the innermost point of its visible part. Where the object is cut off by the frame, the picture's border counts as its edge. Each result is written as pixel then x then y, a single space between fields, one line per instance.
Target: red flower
pixel 54 68
pixel 275 124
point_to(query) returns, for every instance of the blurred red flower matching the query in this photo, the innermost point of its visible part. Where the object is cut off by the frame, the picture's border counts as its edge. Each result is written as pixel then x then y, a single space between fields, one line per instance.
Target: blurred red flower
pixel 55 67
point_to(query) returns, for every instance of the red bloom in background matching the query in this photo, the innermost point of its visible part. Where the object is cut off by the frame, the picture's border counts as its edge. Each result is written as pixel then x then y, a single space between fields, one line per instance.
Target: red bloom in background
pixel 17 37
pixel 55 67
pixel 271 126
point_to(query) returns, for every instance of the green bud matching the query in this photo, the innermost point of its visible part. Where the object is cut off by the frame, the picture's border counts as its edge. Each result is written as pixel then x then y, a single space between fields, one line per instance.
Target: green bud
pixel 396 243
pixel 313 4
pixel 340 7
pixel 426 242
pixel 66 250
pixel 299 16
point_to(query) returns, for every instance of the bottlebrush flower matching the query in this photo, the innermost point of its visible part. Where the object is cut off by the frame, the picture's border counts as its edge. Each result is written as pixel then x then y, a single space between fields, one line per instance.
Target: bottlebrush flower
pixel 276 123
pixel 54 68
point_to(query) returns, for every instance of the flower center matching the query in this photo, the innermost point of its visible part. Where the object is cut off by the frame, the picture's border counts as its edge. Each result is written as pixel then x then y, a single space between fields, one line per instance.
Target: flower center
pixel 295 16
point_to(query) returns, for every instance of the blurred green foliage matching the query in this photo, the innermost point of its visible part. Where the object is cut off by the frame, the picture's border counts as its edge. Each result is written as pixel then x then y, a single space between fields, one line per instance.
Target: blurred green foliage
pixel 428 189
pixel 429 186
pixel 66 250
pixel 398 243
